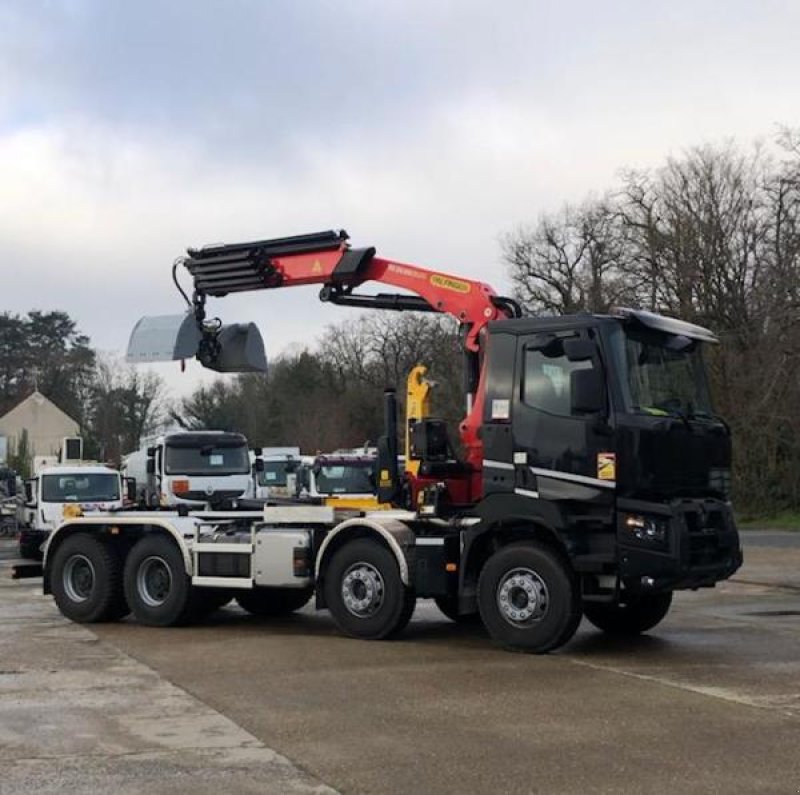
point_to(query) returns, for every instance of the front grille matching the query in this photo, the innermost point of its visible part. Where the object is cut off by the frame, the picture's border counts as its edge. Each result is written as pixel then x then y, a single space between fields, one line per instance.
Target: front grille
pixel 709 539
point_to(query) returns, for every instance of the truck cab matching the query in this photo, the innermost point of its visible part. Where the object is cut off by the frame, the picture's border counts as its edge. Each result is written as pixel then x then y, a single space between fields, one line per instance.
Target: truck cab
pixel 60 491
pixel 341 480
pixel 601 428
pixel 277 475
pixel 191 468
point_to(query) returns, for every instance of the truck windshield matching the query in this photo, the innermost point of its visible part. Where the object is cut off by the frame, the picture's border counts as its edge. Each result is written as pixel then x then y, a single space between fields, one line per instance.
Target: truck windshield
pixel 91 487
pixel 207 460
pixel 665 378
pixel 345 479
pixel 274 473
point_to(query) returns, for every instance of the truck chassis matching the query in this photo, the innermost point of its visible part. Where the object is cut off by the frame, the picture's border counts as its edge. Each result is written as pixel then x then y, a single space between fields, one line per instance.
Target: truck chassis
pixel 170 568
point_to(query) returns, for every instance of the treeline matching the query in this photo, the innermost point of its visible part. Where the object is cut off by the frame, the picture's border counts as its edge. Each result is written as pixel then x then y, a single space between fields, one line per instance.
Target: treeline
pixel 712 237
pixel 114 405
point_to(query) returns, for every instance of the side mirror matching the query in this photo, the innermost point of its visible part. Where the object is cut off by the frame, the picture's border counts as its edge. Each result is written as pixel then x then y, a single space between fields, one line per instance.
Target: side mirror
pixel 587 391
pixel 151 451
pixel 579 350
pixel 257 451
pixel 30 493
pixel 130 489
pixel 151 466
pixel 259 464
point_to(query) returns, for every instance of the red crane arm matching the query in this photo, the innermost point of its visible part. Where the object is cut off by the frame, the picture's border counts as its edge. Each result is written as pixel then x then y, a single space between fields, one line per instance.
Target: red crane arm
pixel 327 259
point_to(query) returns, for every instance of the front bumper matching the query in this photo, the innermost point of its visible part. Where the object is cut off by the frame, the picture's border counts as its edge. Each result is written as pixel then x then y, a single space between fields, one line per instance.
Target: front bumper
pixel 700 547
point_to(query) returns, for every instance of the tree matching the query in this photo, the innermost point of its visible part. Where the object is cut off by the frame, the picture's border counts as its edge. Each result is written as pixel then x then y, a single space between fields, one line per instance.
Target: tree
pixel 123 406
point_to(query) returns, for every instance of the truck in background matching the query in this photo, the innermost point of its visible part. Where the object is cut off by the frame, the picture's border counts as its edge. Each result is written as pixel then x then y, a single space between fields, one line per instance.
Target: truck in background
pixel 191 468
pixel 341 480
pixel 61 491
pixel 276 477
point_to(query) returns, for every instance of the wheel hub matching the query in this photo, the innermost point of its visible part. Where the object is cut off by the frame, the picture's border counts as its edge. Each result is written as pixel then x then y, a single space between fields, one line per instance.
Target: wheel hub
pixel 153 581
pixel 362 589
pixel 78 578
pixel 522 597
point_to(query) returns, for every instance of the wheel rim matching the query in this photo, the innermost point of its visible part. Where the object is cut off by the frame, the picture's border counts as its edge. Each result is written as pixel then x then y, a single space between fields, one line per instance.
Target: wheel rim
pixel 362 590
pixel 522 597
pixel 78 578
pixel 153 581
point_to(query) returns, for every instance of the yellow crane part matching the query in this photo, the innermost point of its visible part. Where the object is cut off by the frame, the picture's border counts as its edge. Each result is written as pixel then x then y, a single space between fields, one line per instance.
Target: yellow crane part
pixel 418 407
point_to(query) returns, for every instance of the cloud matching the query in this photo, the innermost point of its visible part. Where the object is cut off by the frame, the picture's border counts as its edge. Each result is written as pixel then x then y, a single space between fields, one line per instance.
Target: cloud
pixel 129 131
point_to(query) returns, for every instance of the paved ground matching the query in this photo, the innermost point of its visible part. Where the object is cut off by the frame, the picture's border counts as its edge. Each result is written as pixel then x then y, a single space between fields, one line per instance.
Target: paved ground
pixel 710 702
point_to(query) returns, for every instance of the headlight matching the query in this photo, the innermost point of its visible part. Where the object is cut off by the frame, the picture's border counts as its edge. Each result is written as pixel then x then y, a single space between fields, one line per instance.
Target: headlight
pixel 646 528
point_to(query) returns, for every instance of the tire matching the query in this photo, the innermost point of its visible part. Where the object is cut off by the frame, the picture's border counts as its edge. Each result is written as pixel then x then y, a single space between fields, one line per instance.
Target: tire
pixel 378 605
pixel 86 580
pixel 267 602
pixel 633 617
pixel 529 599
pixel 449 606
pixel 157 587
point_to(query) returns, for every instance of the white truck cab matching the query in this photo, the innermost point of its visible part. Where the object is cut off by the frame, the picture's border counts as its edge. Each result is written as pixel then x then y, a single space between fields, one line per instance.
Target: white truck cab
pixel 276 476
pixel 192 468
pixel 59 491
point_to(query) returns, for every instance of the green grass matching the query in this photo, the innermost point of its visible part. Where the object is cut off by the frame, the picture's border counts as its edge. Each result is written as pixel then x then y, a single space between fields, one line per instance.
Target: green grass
pixel 786 520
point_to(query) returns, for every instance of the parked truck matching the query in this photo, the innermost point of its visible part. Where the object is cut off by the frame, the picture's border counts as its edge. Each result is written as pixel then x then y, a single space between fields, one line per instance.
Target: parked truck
pixel 594 481
pixel 60 490
pixel 191 468
pixel 276 477
pixel 341 480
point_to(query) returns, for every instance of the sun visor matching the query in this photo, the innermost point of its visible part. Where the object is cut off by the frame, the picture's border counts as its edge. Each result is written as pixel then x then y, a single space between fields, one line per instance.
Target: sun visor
pixel 163 338
pixel 241 350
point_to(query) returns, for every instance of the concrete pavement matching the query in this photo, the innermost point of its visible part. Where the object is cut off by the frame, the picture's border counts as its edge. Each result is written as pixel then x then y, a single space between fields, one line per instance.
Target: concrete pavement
pixel 709 702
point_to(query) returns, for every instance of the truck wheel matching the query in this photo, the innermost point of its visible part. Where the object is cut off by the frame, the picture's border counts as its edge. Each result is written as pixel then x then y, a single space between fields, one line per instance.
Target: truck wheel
pixel 86 578
pixel 449 606
pixel 528 598
pixel 365 593
pixel 157 586
pixel 638 614
pixel 273 601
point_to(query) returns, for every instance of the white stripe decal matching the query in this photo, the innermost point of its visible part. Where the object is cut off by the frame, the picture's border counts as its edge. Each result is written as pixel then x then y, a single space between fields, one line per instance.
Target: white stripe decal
pixel 534 495
pixel 497 464
pixel 554 473
pixel 429 542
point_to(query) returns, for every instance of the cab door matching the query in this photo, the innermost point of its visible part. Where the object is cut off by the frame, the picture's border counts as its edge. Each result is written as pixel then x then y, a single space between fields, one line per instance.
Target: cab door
pixel 561 437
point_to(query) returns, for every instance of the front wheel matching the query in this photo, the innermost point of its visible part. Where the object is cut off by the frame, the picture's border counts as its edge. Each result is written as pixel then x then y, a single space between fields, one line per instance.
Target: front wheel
pixel 269 602
pixel 86 580
pixel 528 598
pixel 365 593
pixel 632 617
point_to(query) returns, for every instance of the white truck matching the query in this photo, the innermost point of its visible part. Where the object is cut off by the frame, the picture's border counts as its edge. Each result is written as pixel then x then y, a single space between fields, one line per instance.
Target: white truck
pixel 191 468
pixel 60 490
pixel 276 476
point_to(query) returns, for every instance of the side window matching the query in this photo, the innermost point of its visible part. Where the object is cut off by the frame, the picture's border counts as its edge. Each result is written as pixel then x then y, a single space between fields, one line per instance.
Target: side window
pixel 547 381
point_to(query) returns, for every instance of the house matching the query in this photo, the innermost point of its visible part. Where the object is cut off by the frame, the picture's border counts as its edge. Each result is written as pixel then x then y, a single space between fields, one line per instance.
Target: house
pixel 45 423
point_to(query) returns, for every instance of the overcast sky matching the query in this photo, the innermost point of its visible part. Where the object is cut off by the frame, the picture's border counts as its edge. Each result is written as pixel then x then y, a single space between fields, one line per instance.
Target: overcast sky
pixel 130 130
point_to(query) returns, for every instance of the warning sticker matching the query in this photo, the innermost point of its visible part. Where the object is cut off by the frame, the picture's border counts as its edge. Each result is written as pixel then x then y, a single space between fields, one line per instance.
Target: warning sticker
pixel 501 409
pixel 606 466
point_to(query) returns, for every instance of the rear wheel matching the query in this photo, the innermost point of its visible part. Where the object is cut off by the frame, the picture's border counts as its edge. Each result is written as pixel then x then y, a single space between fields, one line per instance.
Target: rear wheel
pixel 86 580
pixel 449 606
pixel 632 617
pixel 365 593
pixel 157 586
pixel 273 601
pixel 528 598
